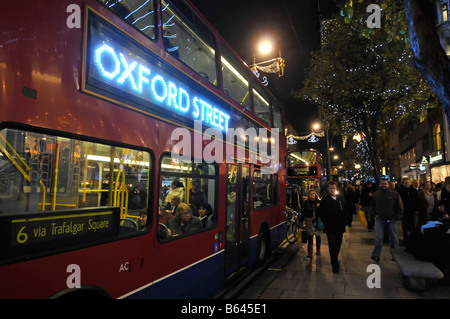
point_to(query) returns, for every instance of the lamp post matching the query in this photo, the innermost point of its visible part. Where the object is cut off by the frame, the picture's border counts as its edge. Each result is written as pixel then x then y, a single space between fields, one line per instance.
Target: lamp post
pixel 315 127
pixel 275 65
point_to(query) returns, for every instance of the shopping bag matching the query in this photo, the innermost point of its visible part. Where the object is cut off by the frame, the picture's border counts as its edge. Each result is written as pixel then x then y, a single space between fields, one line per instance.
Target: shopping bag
pixel 362 218
pixel 302 237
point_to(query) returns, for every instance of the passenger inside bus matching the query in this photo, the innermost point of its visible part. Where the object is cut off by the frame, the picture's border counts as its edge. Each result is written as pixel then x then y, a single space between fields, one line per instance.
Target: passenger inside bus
pixel 143 220
pixel 164 218
pixel 206 215
pixel 137 197
pixel 191 185
pixel 184 223
pixel 172 205
pixel 196 195
pixel 177 188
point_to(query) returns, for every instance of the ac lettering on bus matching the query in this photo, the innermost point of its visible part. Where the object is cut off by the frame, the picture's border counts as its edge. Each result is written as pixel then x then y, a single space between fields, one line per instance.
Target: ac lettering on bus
pixel 114 66
pixel 125 267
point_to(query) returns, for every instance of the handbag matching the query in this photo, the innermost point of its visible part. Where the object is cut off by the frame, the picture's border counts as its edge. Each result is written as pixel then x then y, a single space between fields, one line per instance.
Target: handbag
pixel 319 224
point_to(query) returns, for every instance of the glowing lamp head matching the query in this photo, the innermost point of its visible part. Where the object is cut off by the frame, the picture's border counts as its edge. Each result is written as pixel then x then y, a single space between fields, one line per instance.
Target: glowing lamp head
pixel 265 47
pixel 316 126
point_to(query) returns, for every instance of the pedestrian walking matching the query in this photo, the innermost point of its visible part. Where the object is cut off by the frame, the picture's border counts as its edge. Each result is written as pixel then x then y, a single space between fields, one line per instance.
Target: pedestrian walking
pixel 332 214
pixel 444 201
pixel 312 222
pixel 366 198
pixel 350 203
pixel 411 205
pixel 427 203
pixel 387 207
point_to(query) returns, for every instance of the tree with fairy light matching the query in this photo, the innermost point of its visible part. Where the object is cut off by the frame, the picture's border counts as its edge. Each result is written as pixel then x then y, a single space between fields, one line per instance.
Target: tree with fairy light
pixel 417 19
pixel 362 85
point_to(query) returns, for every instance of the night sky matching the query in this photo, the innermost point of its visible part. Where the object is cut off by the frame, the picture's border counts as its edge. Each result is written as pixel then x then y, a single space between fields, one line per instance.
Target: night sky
pixel 295 26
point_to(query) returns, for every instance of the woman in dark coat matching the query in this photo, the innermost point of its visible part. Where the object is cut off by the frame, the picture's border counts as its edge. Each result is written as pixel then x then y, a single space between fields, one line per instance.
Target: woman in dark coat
pixel 350 203
pixel 310 209
pixel 332 214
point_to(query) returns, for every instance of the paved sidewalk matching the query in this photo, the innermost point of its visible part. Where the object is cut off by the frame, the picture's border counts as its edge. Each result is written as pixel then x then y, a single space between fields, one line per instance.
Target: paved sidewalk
pixel 296 277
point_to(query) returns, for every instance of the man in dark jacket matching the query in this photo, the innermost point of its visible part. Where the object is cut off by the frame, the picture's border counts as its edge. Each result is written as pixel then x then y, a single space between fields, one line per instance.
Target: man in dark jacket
pixel 332 213
pixel 445 196
pixel 411 204
pixel 365 200
pixel 388 207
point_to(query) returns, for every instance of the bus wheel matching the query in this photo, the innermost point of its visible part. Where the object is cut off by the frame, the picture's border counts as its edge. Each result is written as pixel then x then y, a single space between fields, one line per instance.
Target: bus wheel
pixel 85 292
pixel 263 251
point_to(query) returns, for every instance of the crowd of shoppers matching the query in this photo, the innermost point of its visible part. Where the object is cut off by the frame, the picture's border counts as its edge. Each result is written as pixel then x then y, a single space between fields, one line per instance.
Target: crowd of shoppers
pixel 417 209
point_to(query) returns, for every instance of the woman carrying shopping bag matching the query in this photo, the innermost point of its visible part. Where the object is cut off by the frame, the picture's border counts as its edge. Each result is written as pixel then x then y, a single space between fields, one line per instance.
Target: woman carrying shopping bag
pixel 313 224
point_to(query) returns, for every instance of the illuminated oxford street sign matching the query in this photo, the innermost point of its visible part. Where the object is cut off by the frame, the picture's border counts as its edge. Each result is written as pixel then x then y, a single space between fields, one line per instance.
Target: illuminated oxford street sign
pixel 119 68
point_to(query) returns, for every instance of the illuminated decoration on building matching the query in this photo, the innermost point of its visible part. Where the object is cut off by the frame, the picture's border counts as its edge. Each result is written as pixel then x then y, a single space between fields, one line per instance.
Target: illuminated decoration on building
pixel 120 68
pixel 311 136
pixel 313 139
pixel 264 81
pixel 291 141
pixel 276 65
pixel 436 158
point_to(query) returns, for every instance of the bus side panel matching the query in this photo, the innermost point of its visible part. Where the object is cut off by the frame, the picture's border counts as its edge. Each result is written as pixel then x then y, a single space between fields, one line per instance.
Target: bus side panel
pixel 186 266
pixel 117 268
pixel 199 280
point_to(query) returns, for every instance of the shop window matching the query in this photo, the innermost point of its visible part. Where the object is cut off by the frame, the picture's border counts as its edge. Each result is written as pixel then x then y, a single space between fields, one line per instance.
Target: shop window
pixel 437 141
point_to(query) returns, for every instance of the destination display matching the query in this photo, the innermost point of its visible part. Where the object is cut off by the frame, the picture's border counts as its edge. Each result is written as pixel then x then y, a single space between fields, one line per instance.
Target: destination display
pixel 30 231
pixel 302 171
pixel 27 234
pixel 120 68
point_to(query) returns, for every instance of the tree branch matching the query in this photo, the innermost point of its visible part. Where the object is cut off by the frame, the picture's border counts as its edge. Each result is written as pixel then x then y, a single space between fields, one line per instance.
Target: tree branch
pixel 429 57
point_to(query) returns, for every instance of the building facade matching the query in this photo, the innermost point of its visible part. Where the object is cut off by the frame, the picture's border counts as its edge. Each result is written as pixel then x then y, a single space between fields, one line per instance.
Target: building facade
pixel 423 147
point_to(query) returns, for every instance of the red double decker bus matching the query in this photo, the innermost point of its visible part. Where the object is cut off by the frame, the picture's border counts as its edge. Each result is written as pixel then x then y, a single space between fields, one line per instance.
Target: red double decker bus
pixel 114 181
pixel 305 169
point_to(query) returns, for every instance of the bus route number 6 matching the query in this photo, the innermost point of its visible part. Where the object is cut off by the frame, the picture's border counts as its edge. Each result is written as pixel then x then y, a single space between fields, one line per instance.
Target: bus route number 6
pixel 22 237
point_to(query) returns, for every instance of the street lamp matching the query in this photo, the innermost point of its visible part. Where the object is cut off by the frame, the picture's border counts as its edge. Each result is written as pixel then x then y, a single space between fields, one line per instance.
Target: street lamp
pixel 265 47
pixel 358 137
pixel 316 126
pixel 275 65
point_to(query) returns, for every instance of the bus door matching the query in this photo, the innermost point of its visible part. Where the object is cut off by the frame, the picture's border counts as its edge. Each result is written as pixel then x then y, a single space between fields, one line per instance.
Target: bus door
pixel 238 217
